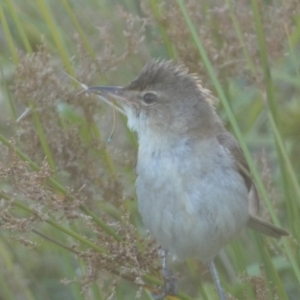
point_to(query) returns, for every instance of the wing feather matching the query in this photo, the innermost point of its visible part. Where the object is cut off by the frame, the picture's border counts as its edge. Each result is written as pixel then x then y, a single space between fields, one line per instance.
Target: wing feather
pixel 228 141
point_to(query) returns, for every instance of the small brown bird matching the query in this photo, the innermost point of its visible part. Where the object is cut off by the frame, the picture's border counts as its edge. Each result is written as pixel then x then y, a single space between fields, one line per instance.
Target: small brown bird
pixel 194 189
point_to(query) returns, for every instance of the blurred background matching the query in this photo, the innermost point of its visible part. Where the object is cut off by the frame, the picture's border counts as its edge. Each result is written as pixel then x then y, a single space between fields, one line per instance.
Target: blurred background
pixel 69 223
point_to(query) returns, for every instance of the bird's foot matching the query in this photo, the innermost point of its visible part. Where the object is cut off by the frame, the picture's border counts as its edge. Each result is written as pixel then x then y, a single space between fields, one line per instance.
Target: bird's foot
pixel 169 287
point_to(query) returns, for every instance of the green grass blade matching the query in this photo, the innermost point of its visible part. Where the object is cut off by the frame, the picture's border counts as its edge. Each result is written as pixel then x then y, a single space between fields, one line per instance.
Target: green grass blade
pixel 10 100
pixel 270 270
pixel 292 178
pixel 79 29
pixel 8 36
pixel 264 61
pixel 46 12
pixel 155 7
pixel 43 140
pixel 19 26
pixel 240 36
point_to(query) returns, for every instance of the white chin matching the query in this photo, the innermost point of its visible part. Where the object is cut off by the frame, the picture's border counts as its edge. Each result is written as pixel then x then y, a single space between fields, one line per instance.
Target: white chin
pixel 133 120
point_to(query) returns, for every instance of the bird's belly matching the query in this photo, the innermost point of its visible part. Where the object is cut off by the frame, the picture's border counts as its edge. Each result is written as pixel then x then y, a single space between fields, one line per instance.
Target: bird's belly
pixel 191 215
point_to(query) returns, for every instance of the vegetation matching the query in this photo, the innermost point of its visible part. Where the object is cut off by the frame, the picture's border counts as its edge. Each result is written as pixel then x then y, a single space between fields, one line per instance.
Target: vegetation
pixel 70 227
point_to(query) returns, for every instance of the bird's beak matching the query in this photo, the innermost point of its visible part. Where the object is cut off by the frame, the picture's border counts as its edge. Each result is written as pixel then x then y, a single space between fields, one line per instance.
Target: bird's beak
pixel 106 90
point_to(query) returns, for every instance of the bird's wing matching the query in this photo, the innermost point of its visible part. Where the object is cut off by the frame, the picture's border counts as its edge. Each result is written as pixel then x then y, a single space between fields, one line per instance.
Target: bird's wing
pixel 228 141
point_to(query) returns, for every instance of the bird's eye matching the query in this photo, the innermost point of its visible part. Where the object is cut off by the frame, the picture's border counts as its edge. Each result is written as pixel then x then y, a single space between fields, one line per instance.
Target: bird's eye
pixel 149 98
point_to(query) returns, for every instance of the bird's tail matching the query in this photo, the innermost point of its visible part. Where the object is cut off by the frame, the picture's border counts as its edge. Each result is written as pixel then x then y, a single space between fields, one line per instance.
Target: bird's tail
pixel 264 227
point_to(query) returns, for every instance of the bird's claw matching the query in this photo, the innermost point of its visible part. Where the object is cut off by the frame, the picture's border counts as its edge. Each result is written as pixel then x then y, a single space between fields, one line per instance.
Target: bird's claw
pixel 169 287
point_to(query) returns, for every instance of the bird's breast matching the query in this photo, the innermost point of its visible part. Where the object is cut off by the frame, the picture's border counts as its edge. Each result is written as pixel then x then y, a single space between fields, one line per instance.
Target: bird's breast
pixel 191 198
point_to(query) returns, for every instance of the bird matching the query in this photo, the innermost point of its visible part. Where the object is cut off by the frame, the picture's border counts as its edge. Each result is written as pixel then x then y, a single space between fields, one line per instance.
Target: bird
pixel 194 188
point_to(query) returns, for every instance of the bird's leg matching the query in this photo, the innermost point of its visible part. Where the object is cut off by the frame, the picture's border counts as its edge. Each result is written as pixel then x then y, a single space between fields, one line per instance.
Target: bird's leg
pixel 170 286
pixel 215 276
pixel 169 279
